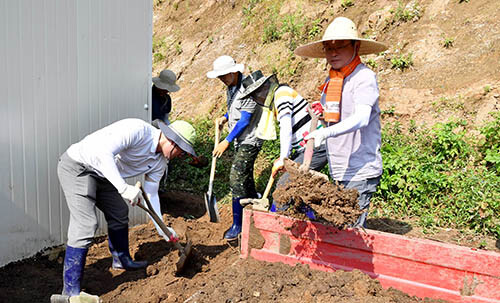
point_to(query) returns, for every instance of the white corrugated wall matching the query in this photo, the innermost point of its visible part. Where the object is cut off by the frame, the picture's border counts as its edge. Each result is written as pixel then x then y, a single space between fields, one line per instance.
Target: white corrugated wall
pixel 67 68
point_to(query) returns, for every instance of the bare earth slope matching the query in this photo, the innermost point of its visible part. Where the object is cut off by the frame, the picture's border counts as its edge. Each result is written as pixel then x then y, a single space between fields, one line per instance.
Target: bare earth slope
pixel 459 81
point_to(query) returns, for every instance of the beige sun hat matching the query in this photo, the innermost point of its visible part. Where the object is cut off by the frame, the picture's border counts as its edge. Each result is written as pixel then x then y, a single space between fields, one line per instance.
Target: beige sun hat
pixel 223 66
pixel 166 80
pixel 340 29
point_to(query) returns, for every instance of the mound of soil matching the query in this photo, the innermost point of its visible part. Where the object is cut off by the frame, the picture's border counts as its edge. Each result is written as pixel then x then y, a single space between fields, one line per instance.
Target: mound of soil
pixel 306 191
pixel 214 273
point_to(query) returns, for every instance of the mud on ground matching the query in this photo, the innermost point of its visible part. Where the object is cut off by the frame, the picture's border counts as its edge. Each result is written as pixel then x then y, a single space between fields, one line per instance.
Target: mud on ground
pixel 215 273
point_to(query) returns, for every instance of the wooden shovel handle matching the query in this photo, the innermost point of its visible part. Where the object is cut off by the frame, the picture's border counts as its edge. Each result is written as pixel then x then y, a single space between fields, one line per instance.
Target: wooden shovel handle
pixel 153 215
pixel 310 143
pixel 268 187
pixel 218 128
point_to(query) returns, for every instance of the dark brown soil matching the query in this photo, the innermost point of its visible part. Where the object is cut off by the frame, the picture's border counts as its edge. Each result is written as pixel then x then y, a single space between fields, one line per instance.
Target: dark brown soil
pixel 215 273
pixel 330 202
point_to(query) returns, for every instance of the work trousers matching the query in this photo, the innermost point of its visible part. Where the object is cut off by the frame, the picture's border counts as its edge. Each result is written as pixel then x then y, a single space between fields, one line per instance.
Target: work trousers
pixel 84 190
pixel 241 176
pixel 366 189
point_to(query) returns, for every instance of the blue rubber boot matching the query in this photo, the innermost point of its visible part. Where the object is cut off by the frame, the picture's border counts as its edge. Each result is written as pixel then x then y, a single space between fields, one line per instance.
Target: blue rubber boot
pixel 118 246
pixel 74 262
pixel 235 229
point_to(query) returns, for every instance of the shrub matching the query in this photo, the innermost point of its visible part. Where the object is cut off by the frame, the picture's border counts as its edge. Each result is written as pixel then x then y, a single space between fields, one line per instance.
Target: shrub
pixel 410 12
pixel 489 147
pixel 431 174
pixel 448 42
pixel 345 4
pixel 402 62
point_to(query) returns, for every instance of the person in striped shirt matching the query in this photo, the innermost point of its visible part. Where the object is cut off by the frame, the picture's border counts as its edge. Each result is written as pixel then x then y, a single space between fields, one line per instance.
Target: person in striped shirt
pixel 290 109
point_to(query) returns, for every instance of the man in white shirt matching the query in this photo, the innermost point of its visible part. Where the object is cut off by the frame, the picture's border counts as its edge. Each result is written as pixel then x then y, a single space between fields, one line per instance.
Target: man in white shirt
pixel 92 173
pixel 350 97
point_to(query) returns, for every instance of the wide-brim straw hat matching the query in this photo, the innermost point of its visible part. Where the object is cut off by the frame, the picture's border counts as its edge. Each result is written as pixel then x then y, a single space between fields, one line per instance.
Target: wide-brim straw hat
pixel 166 81
pixel 340 29
pixel 225 65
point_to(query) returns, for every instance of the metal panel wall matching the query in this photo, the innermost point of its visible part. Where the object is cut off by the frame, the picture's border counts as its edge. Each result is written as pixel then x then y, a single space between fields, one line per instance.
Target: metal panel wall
pixel 69 67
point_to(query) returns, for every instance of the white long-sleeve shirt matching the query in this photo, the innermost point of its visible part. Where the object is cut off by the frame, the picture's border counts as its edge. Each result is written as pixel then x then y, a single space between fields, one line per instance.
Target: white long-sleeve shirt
pixel 126 148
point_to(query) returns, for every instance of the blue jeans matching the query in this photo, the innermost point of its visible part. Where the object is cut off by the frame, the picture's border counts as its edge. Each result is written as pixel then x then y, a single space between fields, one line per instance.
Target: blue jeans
pixel 366 188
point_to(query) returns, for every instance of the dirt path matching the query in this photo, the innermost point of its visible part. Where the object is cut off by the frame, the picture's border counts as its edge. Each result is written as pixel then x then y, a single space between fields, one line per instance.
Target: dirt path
pixel 214 274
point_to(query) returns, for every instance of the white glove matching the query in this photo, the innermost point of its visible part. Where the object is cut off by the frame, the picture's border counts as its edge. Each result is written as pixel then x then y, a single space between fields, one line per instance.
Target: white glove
pixel 318 135
pixel 132 194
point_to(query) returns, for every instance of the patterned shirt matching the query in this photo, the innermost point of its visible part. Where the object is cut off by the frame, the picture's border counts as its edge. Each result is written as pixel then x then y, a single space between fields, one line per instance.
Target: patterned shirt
pixel 288 101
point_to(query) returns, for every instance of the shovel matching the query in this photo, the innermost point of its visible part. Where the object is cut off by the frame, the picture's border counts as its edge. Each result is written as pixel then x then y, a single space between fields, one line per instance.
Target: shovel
pixel 262 203
pixel 210 200
pixel 184 252
pixel 294 168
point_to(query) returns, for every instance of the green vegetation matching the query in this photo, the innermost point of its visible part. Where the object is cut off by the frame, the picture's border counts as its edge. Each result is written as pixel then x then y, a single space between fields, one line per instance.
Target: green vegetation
pixel 448 42
pixel 271 30
pixel 159 49
pixel 178 48
pixel 248 13
pixel 445 175
pixel 486 89
pixel 371 63
pixel 402 62
pixel 489 147
pixel 345 4
pixel 292 27
pixel 314 28
pixel 456 103
pixel 405 13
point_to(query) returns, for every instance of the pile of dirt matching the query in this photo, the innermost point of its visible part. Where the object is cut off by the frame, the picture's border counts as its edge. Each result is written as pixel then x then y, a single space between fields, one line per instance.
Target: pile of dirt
pixel 215 273
pixel 308 196
pixel 254 281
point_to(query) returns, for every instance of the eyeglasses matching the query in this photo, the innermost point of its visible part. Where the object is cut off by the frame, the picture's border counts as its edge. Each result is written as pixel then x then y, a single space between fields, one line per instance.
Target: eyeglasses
pixel 337 49
pixel 176 146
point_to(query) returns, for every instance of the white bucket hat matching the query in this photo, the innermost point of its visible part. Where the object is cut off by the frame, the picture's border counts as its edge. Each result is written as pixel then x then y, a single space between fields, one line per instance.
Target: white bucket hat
pixel 166 81
pixel 340 29
pixel 223 66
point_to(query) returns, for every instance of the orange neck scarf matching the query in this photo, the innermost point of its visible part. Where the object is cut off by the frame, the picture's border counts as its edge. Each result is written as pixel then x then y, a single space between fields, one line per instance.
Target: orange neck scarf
pixel 333 89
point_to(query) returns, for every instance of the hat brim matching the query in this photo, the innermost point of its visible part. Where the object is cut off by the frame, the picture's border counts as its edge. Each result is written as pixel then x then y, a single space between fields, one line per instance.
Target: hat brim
pixel 315 49
pixel 162 85
pixel 171 134
pixel 254 86
pixel 216 73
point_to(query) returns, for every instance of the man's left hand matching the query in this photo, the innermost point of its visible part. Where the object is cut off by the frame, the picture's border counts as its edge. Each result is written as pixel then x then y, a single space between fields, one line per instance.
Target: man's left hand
pixel 221 148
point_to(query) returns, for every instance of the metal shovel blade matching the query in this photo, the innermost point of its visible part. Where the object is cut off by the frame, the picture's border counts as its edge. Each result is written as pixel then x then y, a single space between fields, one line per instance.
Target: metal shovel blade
pixel 212 209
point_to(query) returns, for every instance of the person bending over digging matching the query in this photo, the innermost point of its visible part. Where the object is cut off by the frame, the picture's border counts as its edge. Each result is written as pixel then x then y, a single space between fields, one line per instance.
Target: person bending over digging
pixel 350 98
pixel 284 103
pixel 92 172
pixel 242 116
